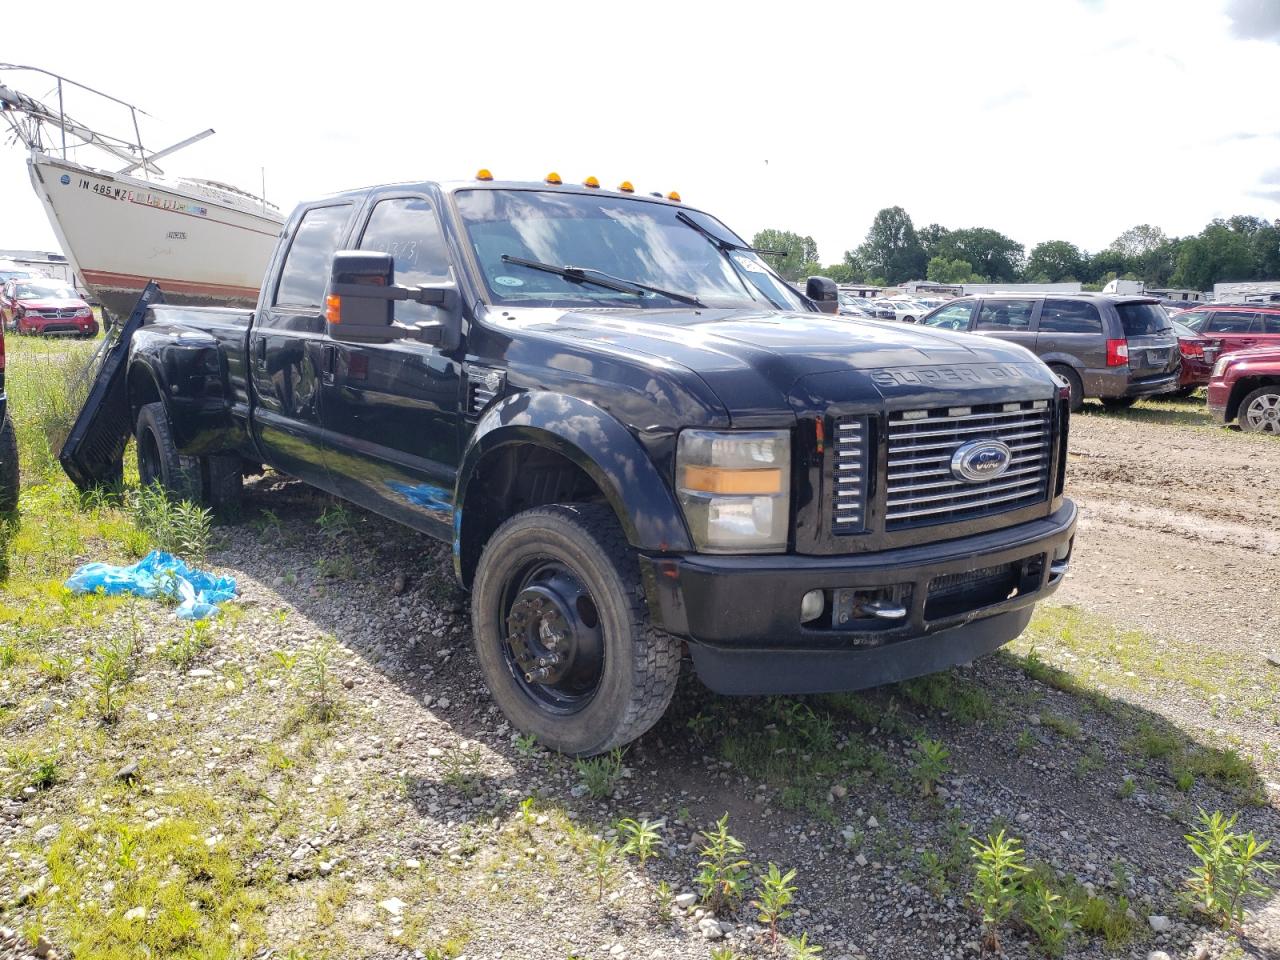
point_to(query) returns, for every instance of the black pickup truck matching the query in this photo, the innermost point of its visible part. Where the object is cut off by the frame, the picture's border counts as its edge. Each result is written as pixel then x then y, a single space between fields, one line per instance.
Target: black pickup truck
pixel 635 435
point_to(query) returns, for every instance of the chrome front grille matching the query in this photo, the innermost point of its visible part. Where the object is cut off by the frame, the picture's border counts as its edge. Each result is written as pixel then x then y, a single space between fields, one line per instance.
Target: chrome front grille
pixel 921 487
pixel 53 314
pixel 849 476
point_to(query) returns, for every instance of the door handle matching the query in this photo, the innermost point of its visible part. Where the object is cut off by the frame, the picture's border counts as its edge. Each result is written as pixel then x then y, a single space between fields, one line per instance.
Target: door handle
pixel 330 361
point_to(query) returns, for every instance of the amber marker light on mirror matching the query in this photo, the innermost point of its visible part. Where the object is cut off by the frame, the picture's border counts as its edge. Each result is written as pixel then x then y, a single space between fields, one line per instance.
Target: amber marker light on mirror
pixel 484 174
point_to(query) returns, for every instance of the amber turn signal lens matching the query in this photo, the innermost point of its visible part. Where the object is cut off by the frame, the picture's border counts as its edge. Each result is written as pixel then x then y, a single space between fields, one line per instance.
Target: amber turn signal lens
pixel 483 174
pixel 626 187
pixel 554 177
pixel 722 480
pixel 333 309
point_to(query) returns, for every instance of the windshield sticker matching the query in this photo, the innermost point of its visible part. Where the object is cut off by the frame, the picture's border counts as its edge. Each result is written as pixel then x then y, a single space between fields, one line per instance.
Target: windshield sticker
pixel 749 265
pixel 509 281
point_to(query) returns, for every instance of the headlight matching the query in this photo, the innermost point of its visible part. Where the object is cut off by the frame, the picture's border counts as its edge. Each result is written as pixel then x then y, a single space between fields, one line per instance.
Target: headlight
pixel 1220 367
pixel 735 489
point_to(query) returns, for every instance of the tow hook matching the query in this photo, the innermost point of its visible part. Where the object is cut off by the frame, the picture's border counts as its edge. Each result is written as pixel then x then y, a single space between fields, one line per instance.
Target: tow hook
pixel 885 609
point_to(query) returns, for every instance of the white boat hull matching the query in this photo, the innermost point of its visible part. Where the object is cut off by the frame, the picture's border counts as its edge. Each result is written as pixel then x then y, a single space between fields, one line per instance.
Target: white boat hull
pixel 120 231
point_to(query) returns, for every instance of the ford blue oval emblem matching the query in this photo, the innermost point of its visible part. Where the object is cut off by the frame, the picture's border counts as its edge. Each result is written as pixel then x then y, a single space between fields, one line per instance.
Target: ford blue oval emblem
pixel 64 179
pixel 980 460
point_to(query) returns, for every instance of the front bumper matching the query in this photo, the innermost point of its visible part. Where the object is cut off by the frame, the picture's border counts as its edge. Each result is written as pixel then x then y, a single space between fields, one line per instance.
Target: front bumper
pixel 741 614
pixel 1217 397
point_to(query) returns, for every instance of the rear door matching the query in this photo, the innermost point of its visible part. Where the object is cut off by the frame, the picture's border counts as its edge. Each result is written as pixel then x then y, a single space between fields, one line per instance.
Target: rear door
pixel 1269 334
pixel 1233 329
pixel 1012 319
pixel 391 410
pixel 1070 331
pixel 287 347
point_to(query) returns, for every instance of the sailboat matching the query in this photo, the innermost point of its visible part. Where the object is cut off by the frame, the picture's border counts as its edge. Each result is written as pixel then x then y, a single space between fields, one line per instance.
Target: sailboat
pixel 205 242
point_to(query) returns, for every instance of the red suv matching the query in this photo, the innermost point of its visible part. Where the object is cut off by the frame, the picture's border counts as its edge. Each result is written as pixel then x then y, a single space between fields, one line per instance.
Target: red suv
pixel 1246 387
pixel 46 307
pixel 1236 326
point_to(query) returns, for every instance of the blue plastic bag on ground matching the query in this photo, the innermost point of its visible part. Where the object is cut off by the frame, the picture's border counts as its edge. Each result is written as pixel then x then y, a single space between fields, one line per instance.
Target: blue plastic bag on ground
pixel 197 591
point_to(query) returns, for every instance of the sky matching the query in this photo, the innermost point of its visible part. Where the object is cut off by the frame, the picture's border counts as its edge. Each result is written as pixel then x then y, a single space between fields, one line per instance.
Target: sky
pixel 1047 120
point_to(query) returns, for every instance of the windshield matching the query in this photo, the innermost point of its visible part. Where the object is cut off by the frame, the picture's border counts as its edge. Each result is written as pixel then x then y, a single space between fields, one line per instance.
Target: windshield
pixel 37 289
pixel 631 240
pixel 1141 319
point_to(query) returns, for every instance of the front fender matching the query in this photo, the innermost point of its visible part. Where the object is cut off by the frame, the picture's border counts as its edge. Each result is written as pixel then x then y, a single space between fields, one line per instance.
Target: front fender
pixel 597 443
pixel 185 370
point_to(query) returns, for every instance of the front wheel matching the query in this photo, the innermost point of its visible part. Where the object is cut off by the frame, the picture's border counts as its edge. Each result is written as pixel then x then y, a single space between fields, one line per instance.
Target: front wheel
pixel 1260 411
pixel 562 631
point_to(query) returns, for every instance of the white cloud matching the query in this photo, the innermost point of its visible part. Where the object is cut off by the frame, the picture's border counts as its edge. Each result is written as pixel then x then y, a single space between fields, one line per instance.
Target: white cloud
pixel 1049 120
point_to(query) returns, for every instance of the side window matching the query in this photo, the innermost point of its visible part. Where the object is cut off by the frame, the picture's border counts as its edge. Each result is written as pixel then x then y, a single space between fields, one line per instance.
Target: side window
pixel 1069 316
pixel 1193 319
pixel 1008 316
pixel 1271 323
pixel 305 273
pixel 407 228
pixel 952 317
pixel 1229 321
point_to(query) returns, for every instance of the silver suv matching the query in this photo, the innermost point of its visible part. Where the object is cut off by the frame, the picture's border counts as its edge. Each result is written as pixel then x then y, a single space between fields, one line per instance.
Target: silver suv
pixel 1117 349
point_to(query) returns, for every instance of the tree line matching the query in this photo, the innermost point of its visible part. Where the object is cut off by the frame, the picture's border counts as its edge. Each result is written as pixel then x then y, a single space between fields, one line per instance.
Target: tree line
pixel 1234 249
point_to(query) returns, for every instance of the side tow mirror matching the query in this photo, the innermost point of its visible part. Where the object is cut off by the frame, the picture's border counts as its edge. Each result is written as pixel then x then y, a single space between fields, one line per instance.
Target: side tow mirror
pixel 824 293
pixel 362 294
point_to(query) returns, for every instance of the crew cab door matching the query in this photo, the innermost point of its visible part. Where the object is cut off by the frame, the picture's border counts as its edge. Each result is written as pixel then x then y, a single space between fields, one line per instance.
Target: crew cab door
pixel 391 411
pixel 287 347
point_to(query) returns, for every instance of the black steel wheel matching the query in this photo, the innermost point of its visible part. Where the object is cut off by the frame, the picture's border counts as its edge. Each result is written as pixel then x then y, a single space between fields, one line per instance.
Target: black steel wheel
pixel 562 632
pixel 553 646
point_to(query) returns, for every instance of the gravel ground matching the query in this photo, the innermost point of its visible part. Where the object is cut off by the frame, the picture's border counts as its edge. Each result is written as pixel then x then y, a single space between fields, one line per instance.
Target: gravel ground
pixel 395 830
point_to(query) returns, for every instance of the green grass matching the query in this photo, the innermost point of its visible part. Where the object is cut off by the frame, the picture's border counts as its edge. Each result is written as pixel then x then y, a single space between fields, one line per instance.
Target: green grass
pixel 1088 658
pixel 45 387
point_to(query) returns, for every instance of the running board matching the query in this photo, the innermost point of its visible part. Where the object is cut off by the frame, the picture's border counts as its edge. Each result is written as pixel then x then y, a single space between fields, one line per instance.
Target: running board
pixel 93 454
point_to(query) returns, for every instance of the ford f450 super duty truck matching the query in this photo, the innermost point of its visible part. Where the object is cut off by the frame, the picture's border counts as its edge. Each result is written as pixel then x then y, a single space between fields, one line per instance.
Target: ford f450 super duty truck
pixel 636 436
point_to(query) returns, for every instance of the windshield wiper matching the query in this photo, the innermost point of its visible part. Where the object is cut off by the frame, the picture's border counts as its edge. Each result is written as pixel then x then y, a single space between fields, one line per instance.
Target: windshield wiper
pixel 721 242
pixel 601 279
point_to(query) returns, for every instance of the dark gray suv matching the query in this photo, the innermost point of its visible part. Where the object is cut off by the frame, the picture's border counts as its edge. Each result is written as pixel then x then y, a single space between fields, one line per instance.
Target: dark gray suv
pixel 1115 348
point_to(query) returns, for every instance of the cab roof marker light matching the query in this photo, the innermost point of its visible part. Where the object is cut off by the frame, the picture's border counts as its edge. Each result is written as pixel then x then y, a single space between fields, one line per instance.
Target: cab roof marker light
pixel 554 178
pixel 484 174
pixel 591 182
pixel 674 195
pixel 626 187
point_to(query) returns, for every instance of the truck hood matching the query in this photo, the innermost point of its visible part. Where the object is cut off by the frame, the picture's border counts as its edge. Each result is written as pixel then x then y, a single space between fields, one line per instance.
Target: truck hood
pixel 760 363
